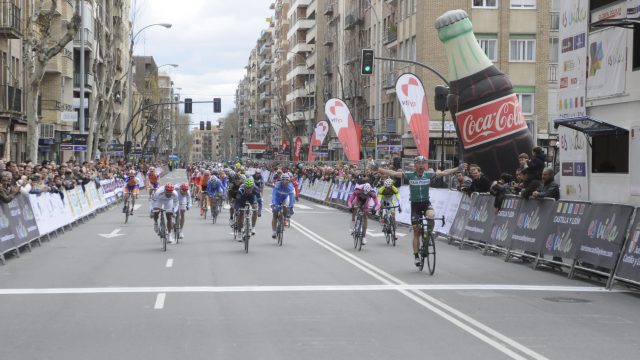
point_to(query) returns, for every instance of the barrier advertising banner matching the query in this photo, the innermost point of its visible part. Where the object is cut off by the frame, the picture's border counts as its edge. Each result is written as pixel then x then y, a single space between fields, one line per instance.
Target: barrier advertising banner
pixel 458 226
pixel 633 9
pixel 574 27
pixel 480 218
pixel 607 63
pixel 629 267
pixel 6 230
pixel 23 223
pixel 413 101
pixel 574 184
pixel 534 217
pixel 571 220
pixel 342 122
pixel 504 222
pixel 606 231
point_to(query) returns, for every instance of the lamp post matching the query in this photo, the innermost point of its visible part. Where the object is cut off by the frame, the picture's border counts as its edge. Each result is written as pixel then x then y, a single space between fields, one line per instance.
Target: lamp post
pixel 129 87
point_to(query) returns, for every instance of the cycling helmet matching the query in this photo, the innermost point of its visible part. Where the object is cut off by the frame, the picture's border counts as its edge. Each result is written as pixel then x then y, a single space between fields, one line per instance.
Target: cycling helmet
pixel 388 182
pixel 151 168
pixel 213 178
pixel 366 187
pixel 419 158
pixel 248 182
pixel 169 187
pixel 207 173
pixel 285 177
pixel 132 172
pixel 258 171
pixel 242 177
pixel 184 187
pixel 231 173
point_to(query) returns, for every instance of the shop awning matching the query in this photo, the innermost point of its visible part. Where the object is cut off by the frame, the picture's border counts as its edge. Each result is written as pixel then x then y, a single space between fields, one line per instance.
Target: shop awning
pixel 590 126
pixel 627 23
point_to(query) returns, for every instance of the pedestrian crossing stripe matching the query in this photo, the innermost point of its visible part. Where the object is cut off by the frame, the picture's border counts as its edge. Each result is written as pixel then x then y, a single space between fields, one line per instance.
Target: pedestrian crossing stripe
pixel 302 207
pixel 324 207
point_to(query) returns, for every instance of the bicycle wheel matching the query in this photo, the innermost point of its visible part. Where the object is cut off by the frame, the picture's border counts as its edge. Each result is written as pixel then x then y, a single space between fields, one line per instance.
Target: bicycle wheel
pixel 176 227
pixel 163 232
pixel 386 228
pixel 126 211
pixel 280 229
pixel 247 232
pixel 392 231
pixel 431 254
pixel 421 252
pixel 356 232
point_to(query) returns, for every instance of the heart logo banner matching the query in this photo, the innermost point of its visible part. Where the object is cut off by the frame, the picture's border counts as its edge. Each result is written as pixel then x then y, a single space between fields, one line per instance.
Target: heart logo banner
pixel 342 122
pixel 317 137
pixel 413 101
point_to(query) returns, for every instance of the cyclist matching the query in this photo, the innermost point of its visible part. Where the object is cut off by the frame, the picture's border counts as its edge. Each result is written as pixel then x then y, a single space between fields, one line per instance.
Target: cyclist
pixel 165 198
pixel 204 198
pixel 419 181
pixel 215 189
pixel 363 195
pixel 282 200
pixel 388 195
pixel 232 191
pixel 257 178
pixel 249 193
pixel 132 185
pixel 152 178
pixel 184 204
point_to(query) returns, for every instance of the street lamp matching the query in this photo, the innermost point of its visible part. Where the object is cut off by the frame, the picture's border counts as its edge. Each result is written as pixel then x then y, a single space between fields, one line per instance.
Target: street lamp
pixel 172 65
pixel 129 87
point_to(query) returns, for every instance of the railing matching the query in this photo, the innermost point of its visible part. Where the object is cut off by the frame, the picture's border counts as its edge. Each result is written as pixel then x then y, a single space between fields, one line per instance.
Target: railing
pixel 88 80
pixel 390 35
pixel 555 21
pixel 328 38
pixel 328 68
pixel 88 37
pixel 10 99
pixel 10 15
pixel 553 72
pixel 328 9
pixel 389 80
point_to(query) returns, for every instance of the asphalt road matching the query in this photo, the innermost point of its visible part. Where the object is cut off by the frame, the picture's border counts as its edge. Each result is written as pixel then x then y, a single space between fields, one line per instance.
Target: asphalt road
pixel 86 296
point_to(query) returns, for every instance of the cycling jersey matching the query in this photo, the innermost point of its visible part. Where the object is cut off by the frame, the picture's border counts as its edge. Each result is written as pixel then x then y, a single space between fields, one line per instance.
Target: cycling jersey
pixel 214 188
pixel 419 185
pixel 153 179
pixel 283 195
pixel 161 200
pixel 389 194
pixel 204 181
pixel 251 197
pixel 131 183
pixel 364 199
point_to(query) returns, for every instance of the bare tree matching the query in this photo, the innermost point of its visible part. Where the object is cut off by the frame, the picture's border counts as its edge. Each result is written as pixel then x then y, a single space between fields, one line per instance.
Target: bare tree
pixel 40 46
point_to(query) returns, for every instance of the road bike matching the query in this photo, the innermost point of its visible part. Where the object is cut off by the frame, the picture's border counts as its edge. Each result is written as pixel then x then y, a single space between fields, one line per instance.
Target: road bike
pixel 358 234
pixel 215 208
pixel 280 222
pixel 389 224
pixel 162 228
pixel 176 226
pixel 246 227
pixel 427 250
pixel 204 205
pixel 128 207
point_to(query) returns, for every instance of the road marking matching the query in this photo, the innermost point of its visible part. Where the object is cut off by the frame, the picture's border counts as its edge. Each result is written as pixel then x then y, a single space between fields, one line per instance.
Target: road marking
pixel 325 207
pixel 375 234
pixel 303 207
pixel 137 206
pixel 307 288
pixel 113 234
pixel 170 263
pixel 160 301
pixel 490 336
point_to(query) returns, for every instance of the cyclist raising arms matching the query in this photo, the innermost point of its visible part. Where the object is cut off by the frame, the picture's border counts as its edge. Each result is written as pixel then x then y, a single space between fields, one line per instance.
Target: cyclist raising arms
pixel 362 195
pixel 132 185
pixel 249 193
pixel 419 195
pixel 282 200
pixel 184 204
pixel 388 195
pixel 165 198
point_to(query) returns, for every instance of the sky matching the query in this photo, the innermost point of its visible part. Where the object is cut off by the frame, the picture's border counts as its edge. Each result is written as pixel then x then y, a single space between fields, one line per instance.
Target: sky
pixel 210 40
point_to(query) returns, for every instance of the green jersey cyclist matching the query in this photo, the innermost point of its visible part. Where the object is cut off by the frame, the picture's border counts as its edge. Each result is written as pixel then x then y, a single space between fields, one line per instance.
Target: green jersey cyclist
pixel 419 181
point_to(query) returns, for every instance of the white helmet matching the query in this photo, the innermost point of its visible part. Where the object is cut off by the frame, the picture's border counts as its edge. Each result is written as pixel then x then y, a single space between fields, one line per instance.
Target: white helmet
pixel 366 187
pixel 388 182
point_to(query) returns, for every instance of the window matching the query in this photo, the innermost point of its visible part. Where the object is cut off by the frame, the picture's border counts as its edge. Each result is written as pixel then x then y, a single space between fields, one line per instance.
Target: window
pixel 610 154
pixel 526 103
pixel 523 4
pixel 491 4
pixel 413 49
pixel 554 50
pixel 490 47
pixel 522 50
pixel 636 47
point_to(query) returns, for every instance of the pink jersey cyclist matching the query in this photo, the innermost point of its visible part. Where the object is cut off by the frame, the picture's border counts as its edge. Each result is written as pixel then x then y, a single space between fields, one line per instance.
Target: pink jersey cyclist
pixel 364 195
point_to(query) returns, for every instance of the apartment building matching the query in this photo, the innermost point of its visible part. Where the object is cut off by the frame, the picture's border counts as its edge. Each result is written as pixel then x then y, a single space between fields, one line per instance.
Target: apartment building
pixel 205 144
pixel 280 86
pixel 264 53
pixel 145 77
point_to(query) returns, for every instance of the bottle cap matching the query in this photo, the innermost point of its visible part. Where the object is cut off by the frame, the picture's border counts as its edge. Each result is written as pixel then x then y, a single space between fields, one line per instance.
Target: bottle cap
pixel 452 24
pixel 450 17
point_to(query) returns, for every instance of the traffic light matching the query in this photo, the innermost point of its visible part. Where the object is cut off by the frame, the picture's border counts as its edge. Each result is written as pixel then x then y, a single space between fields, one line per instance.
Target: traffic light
pixel 208 125
pixel 366 62
pixel 440 99
pixel 188 106
pixel 217 105
pixel 250 123
pixel 201 125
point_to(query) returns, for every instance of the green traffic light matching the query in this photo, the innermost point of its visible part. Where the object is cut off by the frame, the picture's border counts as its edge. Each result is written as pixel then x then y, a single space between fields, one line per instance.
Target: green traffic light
pixel 367 68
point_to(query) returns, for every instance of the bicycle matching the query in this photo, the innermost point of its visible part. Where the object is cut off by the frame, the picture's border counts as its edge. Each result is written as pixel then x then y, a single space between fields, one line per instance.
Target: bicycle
pixel 215 208
pixel 427 248
pixel 279 223
pixel 162 229
pixel 204 204
pixel 246 229
pixel 232 222
pixel 176 227
pixel 127 208
pixel 389 224
pixel 358 234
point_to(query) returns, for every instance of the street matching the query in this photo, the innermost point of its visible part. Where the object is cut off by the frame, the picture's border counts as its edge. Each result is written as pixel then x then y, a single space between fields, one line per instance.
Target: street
pixel 87 296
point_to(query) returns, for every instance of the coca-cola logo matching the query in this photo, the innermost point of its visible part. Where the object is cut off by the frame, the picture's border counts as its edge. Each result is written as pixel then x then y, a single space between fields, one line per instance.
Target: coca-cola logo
pixel 490 121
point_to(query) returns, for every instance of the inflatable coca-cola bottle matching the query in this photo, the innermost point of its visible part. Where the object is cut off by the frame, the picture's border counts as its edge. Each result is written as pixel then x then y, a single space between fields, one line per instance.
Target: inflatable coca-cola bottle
pixel 486 112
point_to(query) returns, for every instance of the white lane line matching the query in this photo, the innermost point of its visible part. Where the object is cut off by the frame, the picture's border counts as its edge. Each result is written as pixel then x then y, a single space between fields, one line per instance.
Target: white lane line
pixel 490 336
pixel 170 263
pixel 303 207
pixel 160 301
pixel 137 206
pixel 306 288
pixel 325 207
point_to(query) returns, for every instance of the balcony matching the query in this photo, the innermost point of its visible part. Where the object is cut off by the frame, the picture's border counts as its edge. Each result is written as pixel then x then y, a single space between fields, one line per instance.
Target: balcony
pixel 298 70
pixel 88 39
pixel 555 21
pixel 301 24
pixel 300 92
pixel 312 34
pixel 553 73
pixel 390 35
pixel 328 68
pixel 10 15
pixel 352 55
pixel 296 4
pixel 311 60
pixel 354 18
pixel 266 46
pixel 265 95
pixel 264 79
pixel 328 9
pixel 265 63
pixel 265 111
pixel 10 99
pixel 328 39
pixel 300 47
pixel 88 80
pixel 389 80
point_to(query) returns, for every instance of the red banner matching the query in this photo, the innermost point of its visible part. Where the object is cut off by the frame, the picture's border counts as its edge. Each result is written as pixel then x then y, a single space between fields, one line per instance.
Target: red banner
pixel 342 122
pixel 413 101
pixel 317 137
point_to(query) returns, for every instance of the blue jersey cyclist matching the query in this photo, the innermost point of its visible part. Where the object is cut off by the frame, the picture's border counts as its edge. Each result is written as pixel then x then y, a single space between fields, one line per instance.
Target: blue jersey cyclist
pixel 248 193
pixel 215 188
pixel 283 198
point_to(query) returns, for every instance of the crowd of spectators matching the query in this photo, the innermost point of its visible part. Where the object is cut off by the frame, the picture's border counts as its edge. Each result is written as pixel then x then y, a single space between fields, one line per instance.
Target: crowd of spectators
pixel 32 178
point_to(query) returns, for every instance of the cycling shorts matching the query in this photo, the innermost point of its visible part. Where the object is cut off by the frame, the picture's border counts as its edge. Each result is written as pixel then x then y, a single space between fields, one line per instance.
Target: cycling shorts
pixel 131 188
pixel 417 208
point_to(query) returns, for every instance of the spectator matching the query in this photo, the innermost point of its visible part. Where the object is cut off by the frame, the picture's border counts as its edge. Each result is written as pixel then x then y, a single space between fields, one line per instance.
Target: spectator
pixel 535 166
pixel 461 182
pixel 8 191
pixel 549 188
pixel 500 189
pixel 479 182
